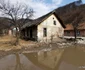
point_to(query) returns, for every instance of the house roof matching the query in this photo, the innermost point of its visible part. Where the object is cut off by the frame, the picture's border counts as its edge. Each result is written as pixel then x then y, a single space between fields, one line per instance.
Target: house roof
pixel 70 26
pixel 81 26
pixel 41 19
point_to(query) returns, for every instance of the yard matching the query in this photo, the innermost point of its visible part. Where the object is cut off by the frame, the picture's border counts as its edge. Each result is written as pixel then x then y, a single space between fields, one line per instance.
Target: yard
pixel 49 56
pixel 7 45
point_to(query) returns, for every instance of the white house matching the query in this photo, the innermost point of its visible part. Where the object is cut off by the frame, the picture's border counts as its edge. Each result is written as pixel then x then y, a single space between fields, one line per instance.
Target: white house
pixel 44 29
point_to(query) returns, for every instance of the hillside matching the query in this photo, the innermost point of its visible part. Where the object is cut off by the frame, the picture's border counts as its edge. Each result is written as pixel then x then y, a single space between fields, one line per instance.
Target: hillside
pixel 4 23
pixel 69 12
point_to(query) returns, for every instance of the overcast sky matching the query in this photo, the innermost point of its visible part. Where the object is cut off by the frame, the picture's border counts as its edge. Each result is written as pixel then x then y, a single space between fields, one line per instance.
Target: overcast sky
pixel 42 7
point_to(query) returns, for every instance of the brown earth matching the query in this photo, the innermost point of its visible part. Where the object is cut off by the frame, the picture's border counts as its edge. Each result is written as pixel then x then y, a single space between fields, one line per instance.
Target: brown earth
pixel 7 46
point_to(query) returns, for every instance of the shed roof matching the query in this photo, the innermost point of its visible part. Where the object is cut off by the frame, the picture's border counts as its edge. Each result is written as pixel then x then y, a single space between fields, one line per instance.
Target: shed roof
pixel 41 19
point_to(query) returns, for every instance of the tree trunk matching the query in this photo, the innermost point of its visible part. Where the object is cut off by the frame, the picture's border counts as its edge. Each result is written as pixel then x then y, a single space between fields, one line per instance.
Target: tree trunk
pixel 20 34
pixel 17 36
pixel 75 31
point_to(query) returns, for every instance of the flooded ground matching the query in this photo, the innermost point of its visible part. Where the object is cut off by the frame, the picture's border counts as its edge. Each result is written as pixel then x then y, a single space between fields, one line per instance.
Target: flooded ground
pixel 58 59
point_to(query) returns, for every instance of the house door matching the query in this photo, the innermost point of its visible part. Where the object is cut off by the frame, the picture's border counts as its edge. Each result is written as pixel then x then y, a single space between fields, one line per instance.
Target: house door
pixel 31 35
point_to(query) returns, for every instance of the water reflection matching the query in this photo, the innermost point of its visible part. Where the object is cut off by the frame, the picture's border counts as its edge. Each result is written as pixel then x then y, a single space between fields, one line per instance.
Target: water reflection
pixel 17 62
pixel 45 59
pixel 68 59
pixel 72 59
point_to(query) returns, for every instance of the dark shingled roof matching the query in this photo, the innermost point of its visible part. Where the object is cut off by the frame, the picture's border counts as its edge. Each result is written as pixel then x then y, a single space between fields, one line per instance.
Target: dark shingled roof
pixel 41 19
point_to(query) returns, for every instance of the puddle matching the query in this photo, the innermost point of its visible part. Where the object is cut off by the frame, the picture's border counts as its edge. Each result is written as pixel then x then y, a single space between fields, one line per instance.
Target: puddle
pixel 68 59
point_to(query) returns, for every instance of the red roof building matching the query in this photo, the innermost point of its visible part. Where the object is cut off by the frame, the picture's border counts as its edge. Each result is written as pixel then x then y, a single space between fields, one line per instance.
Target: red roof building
pixel 69 30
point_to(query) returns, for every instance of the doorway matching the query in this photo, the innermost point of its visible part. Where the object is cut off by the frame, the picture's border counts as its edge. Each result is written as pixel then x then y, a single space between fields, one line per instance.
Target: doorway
pixel 31 35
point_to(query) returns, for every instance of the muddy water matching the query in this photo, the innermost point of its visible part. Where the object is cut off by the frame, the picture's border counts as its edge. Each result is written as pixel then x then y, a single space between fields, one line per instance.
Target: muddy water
pixel 58 59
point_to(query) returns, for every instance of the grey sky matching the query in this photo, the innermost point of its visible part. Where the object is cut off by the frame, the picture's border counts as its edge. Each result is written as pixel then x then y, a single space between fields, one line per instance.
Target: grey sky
pixel 40 7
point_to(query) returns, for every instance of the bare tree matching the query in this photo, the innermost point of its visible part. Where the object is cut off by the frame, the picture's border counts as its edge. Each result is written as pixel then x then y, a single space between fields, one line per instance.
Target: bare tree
pixel 78 16
pixel 16 12
pixel 75 26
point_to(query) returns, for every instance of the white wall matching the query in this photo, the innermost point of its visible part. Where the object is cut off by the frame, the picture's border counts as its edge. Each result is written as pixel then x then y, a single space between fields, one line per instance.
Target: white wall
pixel 52 30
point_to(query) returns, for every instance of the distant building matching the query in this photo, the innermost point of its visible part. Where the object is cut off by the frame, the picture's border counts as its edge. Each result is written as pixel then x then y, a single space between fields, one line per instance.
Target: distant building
pixel 69 30
pixel 44 29
pixel 12 31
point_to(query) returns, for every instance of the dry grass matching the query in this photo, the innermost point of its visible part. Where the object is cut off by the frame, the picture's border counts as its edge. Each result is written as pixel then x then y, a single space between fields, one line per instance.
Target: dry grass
pixel 7 43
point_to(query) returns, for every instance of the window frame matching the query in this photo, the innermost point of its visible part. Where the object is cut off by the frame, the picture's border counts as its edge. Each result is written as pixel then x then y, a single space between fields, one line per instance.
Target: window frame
pixel 54 22
pixel 44 32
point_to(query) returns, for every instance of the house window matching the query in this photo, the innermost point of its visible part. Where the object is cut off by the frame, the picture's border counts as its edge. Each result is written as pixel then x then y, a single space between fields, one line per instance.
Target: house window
pixel 44 32
pixel 78 33
pixel 68 33
pixel 54 22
